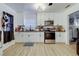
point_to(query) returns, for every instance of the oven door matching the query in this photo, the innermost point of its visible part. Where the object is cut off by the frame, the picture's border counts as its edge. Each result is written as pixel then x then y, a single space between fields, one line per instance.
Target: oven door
pixel 49 37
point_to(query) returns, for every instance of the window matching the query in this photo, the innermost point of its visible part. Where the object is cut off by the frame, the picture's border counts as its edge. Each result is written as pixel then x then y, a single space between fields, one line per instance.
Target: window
pixel 30 20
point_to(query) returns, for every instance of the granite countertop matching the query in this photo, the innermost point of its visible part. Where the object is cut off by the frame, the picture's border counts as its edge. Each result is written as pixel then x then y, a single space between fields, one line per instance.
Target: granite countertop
pixel 38 31
pixel 29 31
pixel 60 31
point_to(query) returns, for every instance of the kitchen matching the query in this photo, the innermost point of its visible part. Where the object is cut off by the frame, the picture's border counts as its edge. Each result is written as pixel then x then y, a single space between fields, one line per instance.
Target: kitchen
pixel 39 26
pixel 41 32
pixel 36 23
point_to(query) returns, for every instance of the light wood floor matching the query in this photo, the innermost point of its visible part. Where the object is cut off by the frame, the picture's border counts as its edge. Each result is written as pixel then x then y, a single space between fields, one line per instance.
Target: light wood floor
pixel 40 49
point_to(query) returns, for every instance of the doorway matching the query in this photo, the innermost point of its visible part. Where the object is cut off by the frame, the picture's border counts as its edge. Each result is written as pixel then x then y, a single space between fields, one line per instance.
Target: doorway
pixel 73 26
pixel 8 28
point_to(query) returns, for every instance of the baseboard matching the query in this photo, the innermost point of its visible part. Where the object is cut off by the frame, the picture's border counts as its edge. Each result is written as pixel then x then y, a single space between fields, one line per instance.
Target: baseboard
pixel 59 43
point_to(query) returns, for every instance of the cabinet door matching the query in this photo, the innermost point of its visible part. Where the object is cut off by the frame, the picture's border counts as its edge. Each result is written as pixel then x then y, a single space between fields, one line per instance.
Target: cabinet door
pixel 62 36
pixel 37 37
pixel 19 37
pixel 59 36
pixel 41 36
pixel 25 37
pixel 16 35
pixel 31 37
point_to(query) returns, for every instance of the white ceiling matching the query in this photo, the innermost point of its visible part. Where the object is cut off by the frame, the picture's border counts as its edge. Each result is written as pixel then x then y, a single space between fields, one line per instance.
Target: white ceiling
pixel 21 7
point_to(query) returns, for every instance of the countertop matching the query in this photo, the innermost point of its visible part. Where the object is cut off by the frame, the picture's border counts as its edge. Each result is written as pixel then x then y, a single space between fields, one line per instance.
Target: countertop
pixel 39 31
pixel 29 31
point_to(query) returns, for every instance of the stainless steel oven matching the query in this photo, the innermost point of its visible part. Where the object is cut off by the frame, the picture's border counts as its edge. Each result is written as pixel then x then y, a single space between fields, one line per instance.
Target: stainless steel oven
pixel 49 37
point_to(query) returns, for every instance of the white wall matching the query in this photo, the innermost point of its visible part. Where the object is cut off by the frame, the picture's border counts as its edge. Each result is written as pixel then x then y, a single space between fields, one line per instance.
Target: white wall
pixel 20 18
pixel 7 9
pixel 30 16
pixel 65 17
pixel 4 7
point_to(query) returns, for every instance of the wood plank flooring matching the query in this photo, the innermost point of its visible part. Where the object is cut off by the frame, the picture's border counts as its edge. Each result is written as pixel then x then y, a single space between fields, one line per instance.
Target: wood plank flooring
pixel 40 49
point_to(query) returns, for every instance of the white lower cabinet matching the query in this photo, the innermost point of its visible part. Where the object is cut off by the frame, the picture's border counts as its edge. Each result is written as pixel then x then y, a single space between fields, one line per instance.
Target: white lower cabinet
pixel 60 36
pixel 39 37
pixel 25 37
pixel 29 36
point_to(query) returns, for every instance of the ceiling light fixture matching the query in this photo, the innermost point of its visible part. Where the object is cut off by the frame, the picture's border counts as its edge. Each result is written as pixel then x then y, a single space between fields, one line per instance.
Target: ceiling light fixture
pixel 40 7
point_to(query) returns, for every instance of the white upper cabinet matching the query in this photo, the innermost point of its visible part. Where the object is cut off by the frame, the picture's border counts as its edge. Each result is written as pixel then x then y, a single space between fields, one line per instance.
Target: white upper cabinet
pixel 41 17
